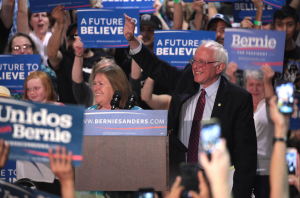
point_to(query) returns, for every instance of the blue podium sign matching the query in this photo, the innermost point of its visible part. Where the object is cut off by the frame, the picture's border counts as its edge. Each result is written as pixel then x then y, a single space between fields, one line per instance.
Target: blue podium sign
pixel 177 47
pixel 32 129
pixel 250 49
pixel 101 28
pixel 15 68
pixel 48 5
pixel 144 6
pixel 245 8
pixel 125 123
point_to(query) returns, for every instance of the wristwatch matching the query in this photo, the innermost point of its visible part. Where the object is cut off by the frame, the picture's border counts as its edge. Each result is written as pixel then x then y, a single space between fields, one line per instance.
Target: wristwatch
pixel 284 139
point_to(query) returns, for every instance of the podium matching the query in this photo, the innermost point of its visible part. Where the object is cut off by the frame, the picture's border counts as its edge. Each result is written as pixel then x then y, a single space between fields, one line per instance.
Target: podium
pixel 127 163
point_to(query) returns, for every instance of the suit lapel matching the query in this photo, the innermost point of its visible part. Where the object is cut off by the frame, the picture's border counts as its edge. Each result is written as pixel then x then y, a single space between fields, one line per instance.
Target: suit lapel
pixel 220 99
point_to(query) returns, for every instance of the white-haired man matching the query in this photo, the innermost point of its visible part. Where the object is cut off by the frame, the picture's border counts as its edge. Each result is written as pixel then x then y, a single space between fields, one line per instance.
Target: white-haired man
pixel 201 92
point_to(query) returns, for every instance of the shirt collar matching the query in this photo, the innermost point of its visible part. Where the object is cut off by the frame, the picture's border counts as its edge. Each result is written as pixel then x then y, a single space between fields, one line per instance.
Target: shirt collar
pixel 213 88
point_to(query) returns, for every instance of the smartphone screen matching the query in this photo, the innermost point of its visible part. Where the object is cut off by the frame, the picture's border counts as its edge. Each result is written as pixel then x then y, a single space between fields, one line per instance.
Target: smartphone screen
pixel 189 177
pixel 291 160
pixel 285 92
pixel 210 135
pixel 146 193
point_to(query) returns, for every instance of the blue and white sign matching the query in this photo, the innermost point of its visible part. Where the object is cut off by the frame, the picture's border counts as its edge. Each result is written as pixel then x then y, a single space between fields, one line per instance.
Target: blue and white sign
pixel 250 49
pixel 15 68
pixel 277 4
pixel 48 5
pixel 101 28
pixel 245 8
pixel 144 6
pixel 31 129
pixel 126 123
pixel 177 47
pixel 191 1
pixel 8 172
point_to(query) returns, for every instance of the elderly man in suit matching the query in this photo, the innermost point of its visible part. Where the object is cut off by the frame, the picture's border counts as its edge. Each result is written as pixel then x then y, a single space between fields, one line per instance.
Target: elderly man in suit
pixel 201 92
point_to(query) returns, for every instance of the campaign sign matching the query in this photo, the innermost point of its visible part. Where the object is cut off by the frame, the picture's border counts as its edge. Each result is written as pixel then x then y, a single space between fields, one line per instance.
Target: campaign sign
pixel 15 68
pixel 126 123
pixel 31 129
pixel 277 4
pixel 245 8
pixel 144 6
pixel 48 5
pixel 250 49
pixel 8 172
pixel 191 1
pixel 101 28
pixel 177 47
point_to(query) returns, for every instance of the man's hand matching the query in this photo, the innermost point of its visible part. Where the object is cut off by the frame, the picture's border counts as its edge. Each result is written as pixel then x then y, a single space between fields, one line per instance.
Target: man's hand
pixel 58 14
pixel 176 189
pixel 4 150
pixel 98 4
pixel 231 71
pixel 61 165
pixel 157 5
pixel 268 73
pixel 78 46
pixel 203 188
pixel 217 169
pixel 246 23
pixel 280 122
pixel 129 27
pixel 294 181
pixel 198 6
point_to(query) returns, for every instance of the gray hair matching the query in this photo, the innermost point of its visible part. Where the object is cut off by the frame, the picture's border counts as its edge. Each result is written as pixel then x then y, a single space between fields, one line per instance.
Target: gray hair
pixel 220 54
pixel 254 74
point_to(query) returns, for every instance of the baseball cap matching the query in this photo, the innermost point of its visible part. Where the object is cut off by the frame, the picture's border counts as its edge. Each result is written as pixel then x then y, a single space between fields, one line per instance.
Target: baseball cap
pixel 150 19
pixel 218 17
pixel 70 27
pixel 4 92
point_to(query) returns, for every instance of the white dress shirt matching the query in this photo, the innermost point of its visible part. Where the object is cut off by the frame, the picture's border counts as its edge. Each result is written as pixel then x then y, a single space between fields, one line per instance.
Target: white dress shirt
pixel 188 110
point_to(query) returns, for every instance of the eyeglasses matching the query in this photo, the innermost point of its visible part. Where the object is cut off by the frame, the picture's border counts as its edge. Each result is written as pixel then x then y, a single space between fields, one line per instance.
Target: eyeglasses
pixel 18 48
pixel 72 37
pixel 201 62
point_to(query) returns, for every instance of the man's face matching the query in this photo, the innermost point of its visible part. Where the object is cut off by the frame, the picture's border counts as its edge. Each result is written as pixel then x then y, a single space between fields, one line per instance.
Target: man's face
pixel 289 25
pixel 147 32
pixel 206 74
pixel 219 26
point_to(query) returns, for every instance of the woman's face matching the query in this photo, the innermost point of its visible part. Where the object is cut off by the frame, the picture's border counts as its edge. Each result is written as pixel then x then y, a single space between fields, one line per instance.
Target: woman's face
pixel 40 23
pixel 170 5
pixel 256 88
pixel 21 45
pixel 103 91
pixel 36 91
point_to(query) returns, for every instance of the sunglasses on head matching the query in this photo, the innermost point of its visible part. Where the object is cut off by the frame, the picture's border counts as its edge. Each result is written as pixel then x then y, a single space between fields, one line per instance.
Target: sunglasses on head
pixel 72 37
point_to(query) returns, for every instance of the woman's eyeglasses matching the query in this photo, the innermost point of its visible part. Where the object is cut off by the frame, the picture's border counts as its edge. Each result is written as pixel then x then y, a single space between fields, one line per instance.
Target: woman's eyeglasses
pixel 18 48
pixel 72 37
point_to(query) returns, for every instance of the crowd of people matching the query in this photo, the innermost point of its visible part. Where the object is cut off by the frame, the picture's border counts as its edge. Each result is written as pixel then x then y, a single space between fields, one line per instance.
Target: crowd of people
pixel 255 133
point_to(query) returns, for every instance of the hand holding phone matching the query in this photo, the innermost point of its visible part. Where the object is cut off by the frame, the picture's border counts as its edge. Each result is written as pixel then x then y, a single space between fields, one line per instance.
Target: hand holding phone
pixel 285 94
pixel 189 177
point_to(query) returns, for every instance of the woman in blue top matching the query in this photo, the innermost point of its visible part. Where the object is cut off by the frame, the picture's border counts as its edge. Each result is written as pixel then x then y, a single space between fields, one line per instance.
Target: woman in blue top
pixel 106 81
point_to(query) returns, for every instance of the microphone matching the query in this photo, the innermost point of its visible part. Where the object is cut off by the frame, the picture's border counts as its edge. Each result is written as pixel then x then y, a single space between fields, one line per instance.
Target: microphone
pixel 131 100
pixel 116 100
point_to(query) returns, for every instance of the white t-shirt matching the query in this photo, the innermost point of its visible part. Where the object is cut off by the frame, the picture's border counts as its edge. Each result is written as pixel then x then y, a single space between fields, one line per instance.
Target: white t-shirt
pixel 264 133
pixel 41 46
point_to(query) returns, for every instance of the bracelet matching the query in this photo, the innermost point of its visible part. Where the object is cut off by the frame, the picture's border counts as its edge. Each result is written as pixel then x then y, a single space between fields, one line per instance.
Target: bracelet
pixel 177 1
pixel 257 22
pixel 78 56
pixel 284 139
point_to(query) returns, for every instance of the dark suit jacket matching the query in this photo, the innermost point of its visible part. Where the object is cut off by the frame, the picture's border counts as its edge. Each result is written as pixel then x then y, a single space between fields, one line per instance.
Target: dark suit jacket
pixel 233 106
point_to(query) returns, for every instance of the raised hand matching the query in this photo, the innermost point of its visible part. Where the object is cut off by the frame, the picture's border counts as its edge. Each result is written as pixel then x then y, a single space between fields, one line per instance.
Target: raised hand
pixel 78 46
pixel 268 73
pixel 58 14
pixel 231 71
pixel 198 6
pixel 246 23
pixel 4 150
pixel 129 27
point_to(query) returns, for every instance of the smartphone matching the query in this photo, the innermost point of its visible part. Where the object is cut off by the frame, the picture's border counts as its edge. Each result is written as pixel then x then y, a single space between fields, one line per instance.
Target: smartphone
pixel 291 160
pixel 285 94
pixel 210 135
pixel 146 193
pixel 189 177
